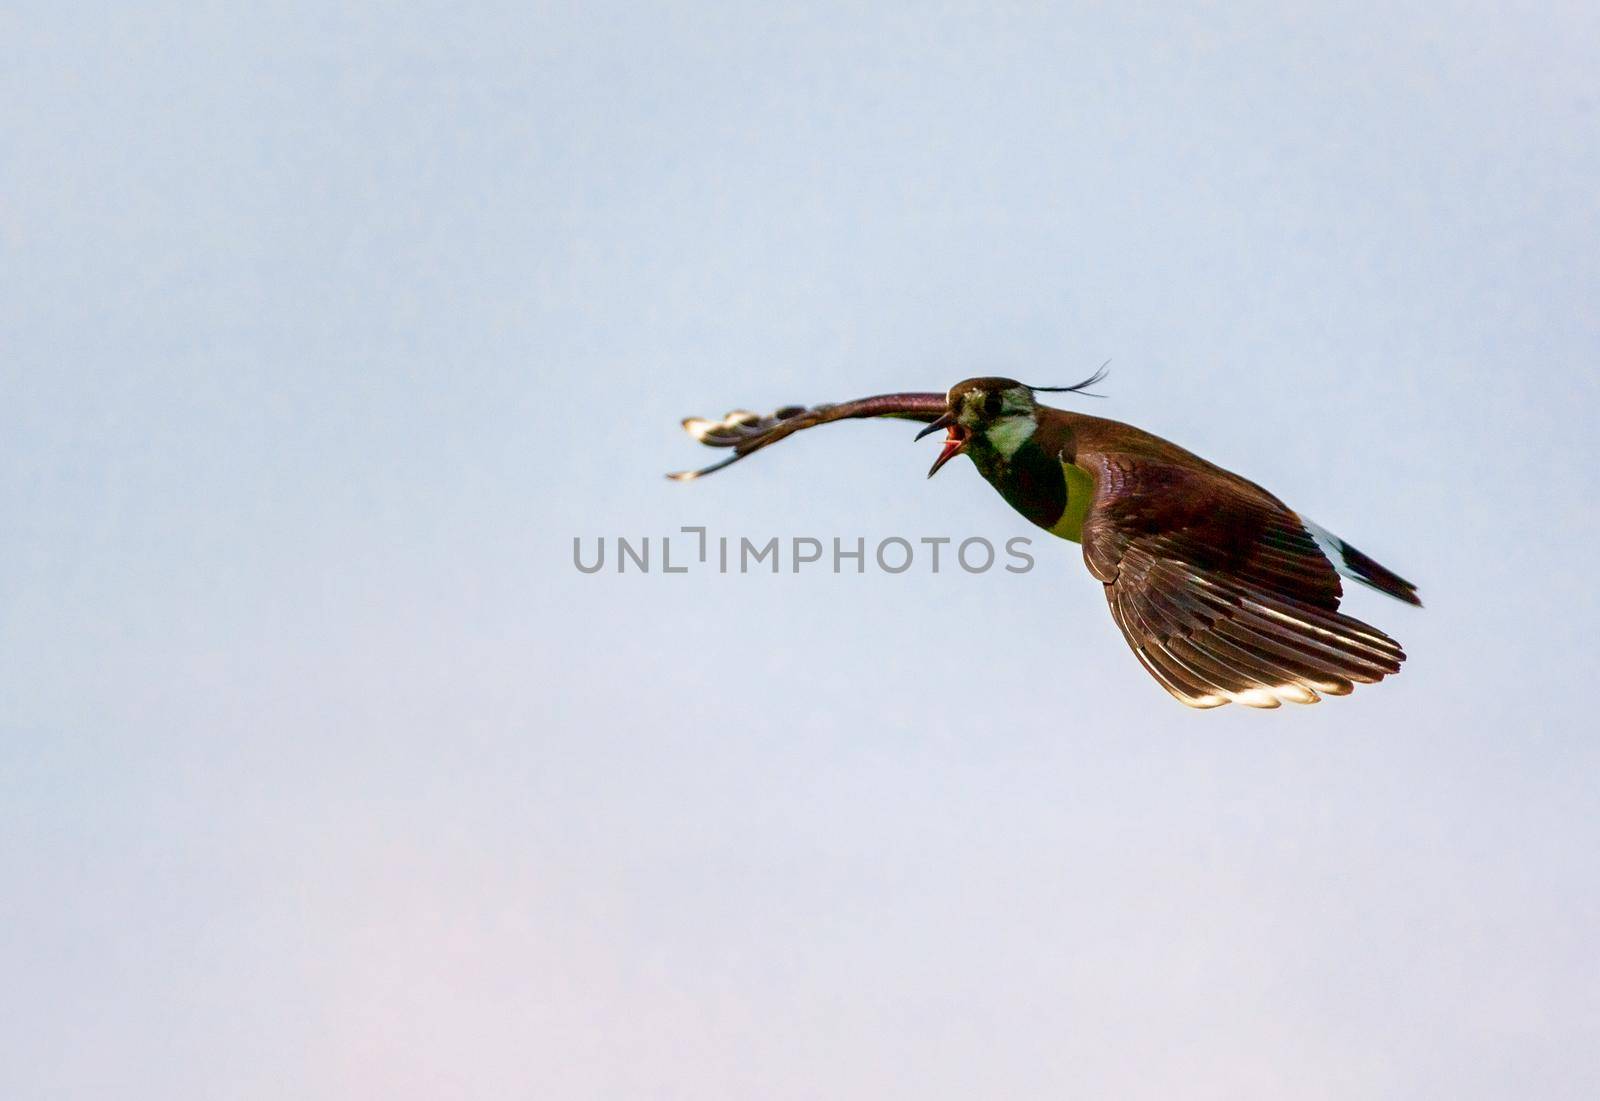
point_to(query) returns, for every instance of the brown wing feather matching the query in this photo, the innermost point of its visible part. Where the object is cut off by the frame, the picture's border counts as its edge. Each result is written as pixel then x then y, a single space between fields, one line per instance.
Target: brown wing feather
pixel 748 432
pixel 1220 590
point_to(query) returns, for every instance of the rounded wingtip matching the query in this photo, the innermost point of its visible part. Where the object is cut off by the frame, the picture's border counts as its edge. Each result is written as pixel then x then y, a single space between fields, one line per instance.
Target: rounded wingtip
pixel 691 475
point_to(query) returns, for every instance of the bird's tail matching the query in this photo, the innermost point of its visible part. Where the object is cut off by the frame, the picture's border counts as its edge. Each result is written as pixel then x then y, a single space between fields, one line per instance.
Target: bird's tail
pixel 1353 564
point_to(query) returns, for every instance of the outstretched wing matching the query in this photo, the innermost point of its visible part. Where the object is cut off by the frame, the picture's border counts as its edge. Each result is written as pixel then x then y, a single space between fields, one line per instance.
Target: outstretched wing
pixel 1221 591
pixel 748 432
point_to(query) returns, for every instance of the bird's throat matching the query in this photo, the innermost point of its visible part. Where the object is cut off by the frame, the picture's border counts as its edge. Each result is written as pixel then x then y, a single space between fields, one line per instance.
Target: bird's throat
pixel 1010 433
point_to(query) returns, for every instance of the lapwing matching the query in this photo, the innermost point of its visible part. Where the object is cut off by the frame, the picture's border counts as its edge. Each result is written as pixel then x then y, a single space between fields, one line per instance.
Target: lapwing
pixel 1225 594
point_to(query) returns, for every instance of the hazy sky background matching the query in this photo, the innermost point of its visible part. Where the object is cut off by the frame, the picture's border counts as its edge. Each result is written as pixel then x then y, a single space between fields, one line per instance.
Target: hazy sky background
pixel 325 329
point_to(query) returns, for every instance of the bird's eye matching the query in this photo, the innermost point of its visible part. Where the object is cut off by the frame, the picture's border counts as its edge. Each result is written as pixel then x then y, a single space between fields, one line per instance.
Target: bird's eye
pixel 991 404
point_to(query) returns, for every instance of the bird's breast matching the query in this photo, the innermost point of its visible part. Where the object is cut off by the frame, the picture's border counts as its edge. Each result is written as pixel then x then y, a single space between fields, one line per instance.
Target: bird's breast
pixel 1051 493
pixel 1080 491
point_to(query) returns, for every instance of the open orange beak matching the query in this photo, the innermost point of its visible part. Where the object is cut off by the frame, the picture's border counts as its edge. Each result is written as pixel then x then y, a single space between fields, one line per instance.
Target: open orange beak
pixel 954 443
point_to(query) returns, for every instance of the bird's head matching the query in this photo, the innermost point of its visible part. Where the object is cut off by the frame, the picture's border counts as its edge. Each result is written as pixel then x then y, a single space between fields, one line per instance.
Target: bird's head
pixel 995 414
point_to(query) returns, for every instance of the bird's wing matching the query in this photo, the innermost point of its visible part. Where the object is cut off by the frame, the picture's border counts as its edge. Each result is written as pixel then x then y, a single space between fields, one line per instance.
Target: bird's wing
pixel 1220 590
pixel 748 432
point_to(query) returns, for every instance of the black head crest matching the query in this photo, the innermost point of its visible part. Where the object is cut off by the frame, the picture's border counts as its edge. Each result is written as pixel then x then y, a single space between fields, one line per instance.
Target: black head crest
pixel 1078 387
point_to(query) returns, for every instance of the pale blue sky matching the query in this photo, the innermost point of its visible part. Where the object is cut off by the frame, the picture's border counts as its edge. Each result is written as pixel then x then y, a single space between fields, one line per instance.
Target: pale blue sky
pixel 325 329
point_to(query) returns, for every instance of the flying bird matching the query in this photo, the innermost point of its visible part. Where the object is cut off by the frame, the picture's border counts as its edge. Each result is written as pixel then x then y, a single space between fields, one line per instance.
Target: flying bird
pixel 1225 594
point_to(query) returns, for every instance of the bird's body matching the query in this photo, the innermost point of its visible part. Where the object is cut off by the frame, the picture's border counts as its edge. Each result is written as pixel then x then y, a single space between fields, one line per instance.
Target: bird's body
pixel 1224 593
